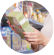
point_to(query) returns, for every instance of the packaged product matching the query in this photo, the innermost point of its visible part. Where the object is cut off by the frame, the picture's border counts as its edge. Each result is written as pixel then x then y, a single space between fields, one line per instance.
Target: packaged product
pixel 28 46
pixel 4 44
pixel 20 5
pixel 35 16
pixel 24 47
pixel 17 19
pixel 28 8
pixel 39 16
pixel 32 17
pixel 16 41
pixel 6 34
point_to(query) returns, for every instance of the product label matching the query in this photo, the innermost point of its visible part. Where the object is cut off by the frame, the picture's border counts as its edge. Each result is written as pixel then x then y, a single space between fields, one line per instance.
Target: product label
pixel 20 23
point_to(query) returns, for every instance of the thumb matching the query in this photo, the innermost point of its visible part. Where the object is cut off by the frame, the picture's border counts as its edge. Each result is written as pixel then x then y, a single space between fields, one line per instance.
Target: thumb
pixel 34 29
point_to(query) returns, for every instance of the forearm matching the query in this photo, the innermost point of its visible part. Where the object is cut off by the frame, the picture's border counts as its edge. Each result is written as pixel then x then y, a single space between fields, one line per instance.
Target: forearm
pixel 34 46
pixel 49 45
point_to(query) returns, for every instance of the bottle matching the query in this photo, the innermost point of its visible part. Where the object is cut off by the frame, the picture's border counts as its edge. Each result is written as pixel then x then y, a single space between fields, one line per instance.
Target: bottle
pixel 32 16
pixel 39 16
pixel 15 5
pixel 35 16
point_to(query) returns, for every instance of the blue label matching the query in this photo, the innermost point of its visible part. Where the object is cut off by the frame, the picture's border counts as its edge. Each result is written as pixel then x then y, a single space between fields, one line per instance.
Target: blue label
pixel 3 32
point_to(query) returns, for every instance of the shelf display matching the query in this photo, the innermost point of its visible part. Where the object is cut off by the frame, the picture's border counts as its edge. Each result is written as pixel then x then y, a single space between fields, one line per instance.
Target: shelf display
pixel 4 44
pixel 28 10
pixel 6 34
pixel 25 45
pixel 35 17
pixel 16 43
pixel 20 6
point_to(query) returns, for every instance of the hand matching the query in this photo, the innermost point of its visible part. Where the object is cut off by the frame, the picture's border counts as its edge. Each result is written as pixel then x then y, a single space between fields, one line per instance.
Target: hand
pixel 36 37
pixel 11 27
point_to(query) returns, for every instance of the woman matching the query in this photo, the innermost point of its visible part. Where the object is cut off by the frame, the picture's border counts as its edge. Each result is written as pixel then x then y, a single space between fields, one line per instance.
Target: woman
pixel 39 39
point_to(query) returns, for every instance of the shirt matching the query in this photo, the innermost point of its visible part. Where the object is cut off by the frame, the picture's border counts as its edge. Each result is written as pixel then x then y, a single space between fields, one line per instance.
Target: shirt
pixel 47 31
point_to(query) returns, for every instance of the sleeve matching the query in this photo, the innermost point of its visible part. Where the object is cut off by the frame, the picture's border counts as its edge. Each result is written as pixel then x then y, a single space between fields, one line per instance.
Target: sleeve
pixel 35 50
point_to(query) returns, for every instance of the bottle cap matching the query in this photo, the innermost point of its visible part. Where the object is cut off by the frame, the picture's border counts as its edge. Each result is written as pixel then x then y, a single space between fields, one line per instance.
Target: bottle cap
pixel 38 11
pixel 32 13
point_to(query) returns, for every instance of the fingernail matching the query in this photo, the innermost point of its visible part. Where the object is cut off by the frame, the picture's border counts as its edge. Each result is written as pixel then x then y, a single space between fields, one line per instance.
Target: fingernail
pixel 23 32
pixel 11 26
pixel 7 21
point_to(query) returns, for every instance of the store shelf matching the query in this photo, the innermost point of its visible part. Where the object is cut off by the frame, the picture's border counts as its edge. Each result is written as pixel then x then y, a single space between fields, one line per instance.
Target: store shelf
pixel 35 24
pixel 36 5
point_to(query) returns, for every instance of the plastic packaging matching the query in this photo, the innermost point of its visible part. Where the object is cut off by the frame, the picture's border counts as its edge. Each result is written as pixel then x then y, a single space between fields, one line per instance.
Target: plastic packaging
pixel 16 45
pixel 20 6
pixel 39 16
pixel 6 34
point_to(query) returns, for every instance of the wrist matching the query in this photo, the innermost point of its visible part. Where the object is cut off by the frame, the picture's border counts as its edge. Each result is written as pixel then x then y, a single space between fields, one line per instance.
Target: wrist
pixel 46 40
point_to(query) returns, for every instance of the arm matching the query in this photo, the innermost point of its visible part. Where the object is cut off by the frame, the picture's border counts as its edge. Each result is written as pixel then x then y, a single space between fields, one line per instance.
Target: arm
pixel 49 45
pixel 35 47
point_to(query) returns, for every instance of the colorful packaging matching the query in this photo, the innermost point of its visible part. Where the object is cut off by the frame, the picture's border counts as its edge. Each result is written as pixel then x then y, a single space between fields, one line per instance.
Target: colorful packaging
pixel 16 41
pixel 35 16
pixel 25 45
pixel 16 19
pixel 6 34
pixel 20 5
pixel 39 16
pixel 28 46
pixel 4 44
pixel 3 31
pixel 9 9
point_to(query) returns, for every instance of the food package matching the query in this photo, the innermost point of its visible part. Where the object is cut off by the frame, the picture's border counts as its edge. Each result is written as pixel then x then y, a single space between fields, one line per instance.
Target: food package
pixel 4 44
pixel 19 22
pixel 35 16
pixel 16 41
pixel 25 45
pixel 20 5
pixel 6 34
pixel 39 16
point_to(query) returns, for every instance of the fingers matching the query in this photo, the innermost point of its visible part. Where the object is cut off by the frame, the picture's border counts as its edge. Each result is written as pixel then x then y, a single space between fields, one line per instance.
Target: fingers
pixel 34 29
pixel 15 31
pixel 9 22
pixel 32 39
pixel 11 26
pixel 29 33
pixel 30 36
pixel 32 42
